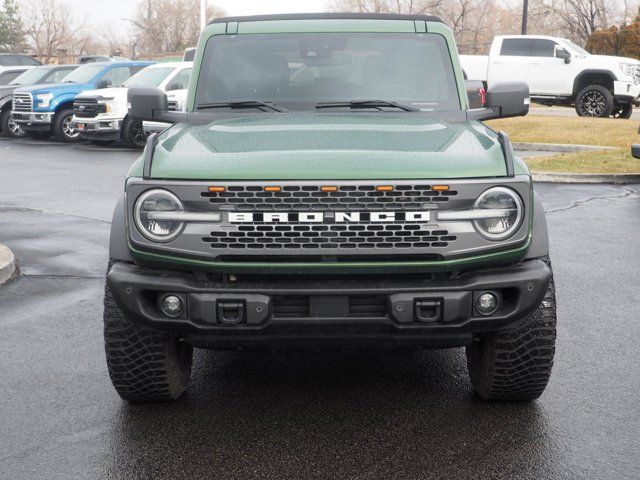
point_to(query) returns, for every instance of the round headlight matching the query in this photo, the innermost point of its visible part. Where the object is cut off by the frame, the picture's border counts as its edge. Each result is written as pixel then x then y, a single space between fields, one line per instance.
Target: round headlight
pixel 508 210
pixel 153 226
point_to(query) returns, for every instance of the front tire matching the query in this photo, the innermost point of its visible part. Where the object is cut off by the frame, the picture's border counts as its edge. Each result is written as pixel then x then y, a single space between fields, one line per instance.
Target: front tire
pixel 144 365
pixel 133 133
pixel 62 127
pixel 595 101
pixel 9 128
pixel 515 364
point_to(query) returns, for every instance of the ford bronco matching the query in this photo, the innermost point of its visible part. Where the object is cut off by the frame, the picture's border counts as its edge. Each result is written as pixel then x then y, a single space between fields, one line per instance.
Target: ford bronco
pixel 329 187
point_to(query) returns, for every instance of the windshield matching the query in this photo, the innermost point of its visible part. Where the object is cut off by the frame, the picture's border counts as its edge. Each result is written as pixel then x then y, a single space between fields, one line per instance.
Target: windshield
pixel 301 70
pixel 149 77
pixel 84 73
pixel 31 77
pixel 579 50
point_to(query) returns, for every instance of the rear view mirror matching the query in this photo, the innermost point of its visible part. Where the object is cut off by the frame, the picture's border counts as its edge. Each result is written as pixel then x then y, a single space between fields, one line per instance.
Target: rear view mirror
pixel 175 86
pixel 504 100
pixel 146 103
pixel 104 84
pixel 635 151
pixel 476 93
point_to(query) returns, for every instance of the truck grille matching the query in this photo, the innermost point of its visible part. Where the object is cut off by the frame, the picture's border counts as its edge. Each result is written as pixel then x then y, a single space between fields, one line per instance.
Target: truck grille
pixel 85 108
pixel 22 102
pixel 172 105
pixel 318 237
pixel 311 197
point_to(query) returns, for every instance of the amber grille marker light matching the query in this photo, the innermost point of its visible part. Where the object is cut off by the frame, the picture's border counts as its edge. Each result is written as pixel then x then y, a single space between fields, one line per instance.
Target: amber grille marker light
pixel 216 189
pixel 272 189
pixel 440 188
pixel 384 188
pixel 328 188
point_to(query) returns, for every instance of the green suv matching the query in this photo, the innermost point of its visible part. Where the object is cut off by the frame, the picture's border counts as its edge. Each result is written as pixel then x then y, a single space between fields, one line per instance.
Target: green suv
pixel 329 187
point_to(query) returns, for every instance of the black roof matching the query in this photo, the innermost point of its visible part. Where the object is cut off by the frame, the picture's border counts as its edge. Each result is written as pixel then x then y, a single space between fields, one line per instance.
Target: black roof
pixel 327 16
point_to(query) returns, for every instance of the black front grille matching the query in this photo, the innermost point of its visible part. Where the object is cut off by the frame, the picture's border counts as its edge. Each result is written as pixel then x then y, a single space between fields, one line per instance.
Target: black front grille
pixel 290 307
pixel 87 108
pixel 311 197
pixel 314 237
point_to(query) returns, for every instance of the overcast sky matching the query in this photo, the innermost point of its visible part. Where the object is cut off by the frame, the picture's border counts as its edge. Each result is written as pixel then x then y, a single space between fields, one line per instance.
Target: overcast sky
pixel 111 12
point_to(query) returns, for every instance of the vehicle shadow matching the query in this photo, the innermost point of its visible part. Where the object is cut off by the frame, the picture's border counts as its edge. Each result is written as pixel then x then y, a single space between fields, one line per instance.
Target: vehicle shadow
pixel 363 415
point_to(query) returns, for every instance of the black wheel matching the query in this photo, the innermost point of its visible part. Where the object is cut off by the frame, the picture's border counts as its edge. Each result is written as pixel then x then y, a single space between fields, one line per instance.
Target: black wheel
pixel 515 364
pixel 102 143
pixel 622 110
pixel 133 133
pixel 9 128
pixel 62 126
pixel 144 365
pixel 594 101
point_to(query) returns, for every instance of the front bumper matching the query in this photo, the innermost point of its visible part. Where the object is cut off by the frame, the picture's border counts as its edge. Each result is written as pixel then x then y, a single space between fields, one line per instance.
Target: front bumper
pixel 626 91
pixel 271 312
pixel 33 120
pixel 98 128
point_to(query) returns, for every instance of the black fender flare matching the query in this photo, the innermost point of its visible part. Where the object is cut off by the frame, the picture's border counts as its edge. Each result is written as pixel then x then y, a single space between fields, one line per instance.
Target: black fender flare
pixel 118 244
pixel 581 75
pixel 540 232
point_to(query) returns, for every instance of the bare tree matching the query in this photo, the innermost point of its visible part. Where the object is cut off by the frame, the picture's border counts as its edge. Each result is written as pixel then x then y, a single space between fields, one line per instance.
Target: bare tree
pixel 419 7
pixel 50 29
pixel 167 26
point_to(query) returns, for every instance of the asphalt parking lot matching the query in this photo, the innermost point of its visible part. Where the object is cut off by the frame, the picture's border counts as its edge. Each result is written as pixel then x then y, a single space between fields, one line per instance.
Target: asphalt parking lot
pixel 323 416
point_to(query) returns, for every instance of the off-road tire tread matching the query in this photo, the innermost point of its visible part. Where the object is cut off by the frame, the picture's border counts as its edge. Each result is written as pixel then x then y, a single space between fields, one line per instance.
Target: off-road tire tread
pixel 610 101
pixel 144 365
pixel 515 364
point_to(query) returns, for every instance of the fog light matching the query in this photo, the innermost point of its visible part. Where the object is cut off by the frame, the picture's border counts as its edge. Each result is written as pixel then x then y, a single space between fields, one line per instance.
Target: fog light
pixel 487 304
pixel 171 305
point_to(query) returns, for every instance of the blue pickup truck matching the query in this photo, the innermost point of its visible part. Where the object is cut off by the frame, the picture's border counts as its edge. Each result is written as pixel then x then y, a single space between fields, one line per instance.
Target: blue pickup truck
pixel 43 110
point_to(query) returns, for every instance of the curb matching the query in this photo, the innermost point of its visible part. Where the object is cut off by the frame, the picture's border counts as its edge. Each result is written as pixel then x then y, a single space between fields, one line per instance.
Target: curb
pixel 615 178
pixel 558 147
pixel 7 264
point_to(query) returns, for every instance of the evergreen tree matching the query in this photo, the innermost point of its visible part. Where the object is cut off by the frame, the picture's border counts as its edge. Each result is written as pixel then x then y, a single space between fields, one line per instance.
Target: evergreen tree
pixel 11 32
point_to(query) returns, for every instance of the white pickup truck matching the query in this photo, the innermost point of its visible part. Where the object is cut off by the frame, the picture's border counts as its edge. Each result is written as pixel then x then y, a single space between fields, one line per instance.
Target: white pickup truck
pixel 102 117
pixel 559 72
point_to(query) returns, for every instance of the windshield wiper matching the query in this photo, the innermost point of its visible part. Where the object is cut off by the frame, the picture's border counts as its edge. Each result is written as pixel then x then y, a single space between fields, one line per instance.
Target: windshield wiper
pixel 245 104
pixel 379 104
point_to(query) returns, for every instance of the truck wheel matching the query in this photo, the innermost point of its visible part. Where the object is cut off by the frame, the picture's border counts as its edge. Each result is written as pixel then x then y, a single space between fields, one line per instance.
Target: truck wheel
pixel 62 126
pixel 144 365
pixel 594 101
pixel 133 134
pixel 515 364
pixel 622 110
pixel 9 128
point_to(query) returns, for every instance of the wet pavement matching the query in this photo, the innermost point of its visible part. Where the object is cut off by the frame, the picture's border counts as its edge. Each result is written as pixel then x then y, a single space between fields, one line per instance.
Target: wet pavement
pixel 323 416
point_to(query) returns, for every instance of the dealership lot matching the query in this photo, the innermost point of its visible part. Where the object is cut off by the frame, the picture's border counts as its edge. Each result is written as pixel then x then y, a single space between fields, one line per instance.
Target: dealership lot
pixel 361 415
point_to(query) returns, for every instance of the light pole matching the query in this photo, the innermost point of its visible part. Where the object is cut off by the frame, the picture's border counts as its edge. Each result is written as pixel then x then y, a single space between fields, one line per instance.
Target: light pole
pixel 525 14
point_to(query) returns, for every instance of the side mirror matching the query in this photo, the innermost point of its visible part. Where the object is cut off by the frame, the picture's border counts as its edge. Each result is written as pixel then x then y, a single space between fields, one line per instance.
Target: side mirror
pixel 476 93
pixel 504 100
pixel 563 54
pixel 146 103
pixel 104 84
pixel 635 151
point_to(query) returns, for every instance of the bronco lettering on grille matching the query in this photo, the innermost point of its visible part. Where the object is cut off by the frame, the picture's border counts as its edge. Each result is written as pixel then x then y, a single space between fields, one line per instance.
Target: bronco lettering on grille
pixel 332 217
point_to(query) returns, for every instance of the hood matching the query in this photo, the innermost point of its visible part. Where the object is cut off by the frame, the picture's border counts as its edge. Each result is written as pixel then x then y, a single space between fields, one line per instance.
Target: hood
pixel 610 60
pixel 114 92
pixel 308 146
pixel 56 88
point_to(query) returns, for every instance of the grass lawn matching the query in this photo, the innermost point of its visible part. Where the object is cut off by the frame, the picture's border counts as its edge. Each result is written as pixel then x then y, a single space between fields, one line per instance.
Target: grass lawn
pixel 579 131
